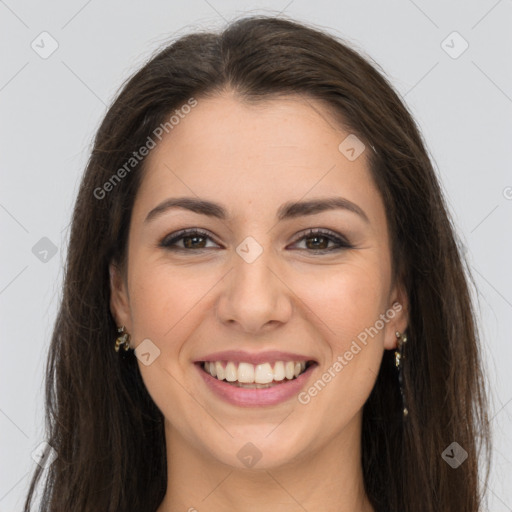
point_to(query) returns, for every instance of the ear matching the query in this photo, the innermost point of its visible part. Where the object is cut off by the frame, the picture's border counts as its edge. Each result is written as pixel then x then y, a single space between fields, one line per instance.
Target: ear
pixel 119 299
pixel 398 315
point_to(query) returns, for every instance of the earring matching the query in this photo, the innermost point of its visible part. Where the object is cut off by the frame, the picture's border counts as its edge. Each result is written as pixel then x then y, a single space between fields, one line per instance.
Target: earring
pixel 399 363
pixel 123 339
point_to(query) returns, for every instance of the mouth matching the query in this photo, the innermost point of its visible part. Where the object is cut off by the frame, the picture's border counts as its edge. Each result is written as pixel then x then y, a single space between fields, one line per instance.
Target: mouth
pixel 244 384
pixel 255 376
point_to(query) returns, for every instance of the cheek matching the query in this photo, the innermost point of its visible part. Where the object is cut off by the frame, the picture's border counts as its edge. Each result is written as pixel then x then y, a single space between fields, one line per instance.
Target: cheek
pixel 348 304
pixel 347 300
pixel 166 305
pixel 169 303
pixel 162 297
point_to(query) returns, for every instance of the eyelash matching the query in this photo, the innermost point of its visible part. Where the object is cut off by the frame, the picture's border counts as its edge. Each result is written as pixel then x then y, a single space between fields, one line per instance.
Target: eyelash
pixel 168 243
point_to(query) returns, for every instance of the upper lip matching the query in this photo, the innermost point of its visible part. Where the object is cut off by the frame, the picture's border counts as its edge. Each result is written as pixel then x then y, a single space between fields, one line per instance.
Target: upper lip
pixel 239 356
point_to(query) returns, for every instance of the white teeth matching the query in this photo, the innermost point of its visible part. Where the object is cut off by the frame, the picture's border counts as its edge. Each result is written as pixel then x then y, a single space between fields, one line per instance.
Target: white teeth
pixel 245 372
pixel 289 369
pixel 220 371
pixel 231 373
pixel 263 374
pixel 279 371
pixel 260 374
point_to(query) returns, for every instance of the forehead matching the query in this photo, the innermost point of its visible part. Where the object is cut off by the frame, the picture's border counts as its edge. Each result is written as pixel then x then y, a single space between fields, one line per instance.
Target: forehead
pixel 243 153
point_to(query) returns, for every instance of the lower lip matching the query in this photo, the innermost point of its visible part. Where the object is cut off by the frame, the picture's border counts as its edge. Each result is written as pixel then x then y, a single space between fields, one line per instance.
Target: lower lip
pixel 253 397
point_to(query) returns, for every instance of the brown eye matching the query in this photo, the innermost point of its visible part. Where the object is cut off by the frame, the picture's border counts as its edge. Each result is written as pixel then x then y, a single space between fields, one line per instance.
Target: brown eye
pixel 192 239
pixel 318 241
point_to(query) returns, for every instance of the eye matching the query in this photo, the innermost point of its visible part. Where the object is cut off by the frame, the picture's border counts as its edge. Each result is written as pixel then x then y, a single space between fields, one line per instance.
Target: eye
pixel 191 238
pixel 318 241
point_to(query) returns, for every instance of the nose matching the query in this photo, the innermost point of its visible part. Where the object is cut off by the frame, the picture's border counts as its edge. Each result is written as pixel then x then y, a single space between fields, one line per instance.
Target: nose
pixel 254 297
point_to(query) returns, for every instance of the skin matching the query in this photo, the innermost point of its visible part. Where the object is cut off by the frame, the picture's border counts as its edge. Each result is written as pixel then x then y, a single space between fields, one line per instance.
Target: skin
pixel 252 159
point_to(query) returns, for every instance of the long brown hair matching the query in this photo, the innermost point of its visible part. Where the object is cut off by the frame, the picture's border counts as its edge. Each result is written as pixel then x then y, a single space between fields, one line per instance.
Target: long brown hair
pixel 108 433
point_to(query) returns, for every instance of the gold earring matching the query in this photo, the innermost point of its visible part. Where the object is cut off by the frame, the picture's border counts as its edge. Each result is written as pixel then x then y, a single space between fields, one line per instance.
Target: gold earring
pixel 399 363
pixel 123 339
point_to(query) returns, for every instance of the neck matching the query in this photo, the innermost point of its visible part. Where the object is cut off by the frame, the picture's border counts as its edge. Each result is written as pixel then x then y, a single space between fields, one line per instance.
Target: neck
pixel 328 478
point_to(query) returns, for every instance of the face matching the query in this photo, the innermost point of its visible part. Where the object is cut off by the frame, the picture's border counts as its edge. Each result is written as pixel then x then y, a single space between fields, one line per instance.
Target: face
pixel 278 289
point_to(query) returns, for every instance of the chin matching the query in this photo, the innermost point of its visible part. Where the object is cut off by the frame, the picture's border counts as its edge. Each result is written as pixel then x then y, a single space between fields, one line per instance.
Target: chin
pixel 260 448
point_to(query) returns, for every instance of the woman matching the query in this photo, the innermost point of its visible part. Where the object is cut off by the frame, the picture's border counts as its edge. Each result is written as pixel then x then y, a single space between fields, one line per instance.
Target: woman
pixel 264 305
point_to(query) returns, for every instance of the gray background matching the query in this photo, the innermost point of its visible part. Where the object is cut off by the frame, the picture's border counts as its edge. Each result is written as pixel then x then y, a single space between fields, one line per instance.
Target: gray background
pixel 51 107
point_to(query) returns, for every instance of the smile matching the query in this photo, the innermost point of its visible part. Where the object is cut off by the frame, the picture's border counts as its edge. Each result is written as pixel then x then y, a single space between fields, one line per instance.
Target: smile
pixel 258 376
pixel 255 385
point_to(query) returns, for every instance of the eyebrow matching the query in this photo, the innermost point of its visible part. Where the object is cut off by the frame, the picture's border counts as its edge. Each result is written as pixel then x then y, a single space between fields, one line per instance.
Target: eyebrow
pixel 288 210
